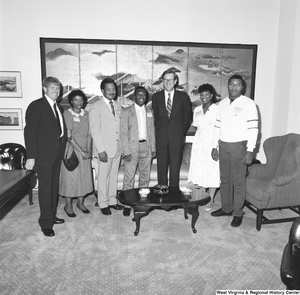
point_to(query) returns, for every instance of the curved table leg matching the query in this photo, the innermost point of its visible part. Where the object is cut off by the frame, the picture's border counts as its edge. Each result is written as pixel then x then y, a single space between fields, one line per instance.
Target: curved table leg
pixel 185 214
pixel 195 215
pixel 193 210
pixel 137 217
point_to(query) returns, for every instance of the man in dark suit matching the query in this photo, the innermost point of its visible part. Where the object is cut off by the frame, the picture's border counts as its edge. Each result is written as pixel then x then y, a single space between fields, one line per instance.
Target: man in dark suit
pixel 172 119
pixel 45 137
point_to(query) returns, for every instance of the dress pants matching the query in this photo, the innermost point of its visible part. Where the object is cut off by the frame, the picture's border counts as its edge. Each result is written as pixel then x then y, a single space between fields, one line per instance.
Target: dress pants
pixel 140 161
pixel 233 176
pixel 169 158
pixel 48 177
pixel 107 181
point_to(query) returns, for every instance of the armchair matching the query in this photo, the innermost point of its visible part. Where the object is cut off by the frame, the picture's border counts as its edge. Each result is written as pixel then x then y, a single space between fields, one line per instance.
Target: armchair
pixel 276 184
pixel 290 262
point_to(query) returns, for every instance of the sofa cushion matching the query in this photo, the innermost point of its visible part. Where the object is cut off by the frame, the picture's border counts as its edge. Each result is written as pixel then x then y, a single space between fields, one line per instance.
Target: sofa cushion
pixel 257 192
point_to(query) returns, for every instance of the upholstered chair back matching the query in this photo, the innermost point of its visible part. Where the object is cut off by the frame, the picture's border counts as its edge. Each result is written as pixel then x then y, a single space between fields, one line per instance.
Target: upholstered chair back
pixel 287 163
pixel 12 156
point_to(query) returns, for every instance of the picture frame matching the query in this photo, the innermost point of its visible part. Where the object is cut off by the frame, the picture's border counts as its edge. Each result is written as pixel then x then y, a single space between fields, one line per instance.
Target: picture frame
pixel 11 119
pixel 84 63
pixel 10 84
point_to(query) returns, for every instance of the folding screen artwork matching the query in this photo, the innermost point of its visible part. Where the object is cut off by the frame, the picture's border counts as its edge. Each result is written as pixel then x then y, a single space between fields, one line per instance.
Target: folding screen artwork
pixel 84 63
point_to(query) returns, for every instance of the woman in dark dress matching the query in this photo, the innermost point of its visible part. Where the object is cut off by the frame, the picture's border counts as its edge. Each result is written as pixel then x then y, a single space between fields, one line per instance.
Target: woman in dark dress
pixel 77 183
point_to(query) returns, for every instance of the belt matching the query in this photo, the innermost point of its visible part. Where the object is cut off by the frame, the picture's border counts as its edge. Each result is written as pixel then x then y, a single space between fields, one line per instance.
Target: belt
pixel 142 140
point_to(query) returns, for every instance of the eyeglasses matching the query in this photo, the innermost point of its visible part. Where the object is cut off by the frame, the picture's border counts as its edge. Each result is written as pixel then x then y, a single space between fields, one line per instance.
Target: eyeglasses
pixel 168 80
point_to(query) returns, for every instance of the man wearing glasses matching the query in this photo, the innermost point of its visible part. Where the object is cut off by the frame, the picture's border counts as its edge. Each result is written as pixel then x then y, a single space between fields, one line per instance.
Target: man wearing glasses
pixel 172 118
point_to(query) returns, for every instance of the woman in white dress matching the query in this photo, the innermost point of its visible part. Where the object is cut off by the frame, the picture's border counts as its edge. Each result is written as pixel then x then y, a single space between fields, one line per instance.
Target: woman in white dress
pixel 204 172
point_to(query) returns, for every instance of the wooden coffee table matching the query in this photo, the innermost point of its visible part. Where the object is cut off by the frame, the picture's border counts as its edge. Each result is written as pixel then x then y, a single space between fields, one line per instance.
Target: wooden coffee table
pixel 175 199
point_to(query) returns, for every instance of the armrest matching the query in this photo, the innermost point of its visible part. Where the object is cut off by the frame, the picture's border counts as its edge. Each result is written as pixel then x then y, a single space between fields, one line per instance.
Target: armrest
pixel 283 180
pixel 260 171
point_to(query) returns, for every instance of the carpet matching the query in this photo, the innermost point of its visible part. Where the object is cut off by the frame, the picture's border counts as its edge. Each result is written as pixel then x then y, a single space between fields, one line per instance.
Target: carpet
pixel 97 254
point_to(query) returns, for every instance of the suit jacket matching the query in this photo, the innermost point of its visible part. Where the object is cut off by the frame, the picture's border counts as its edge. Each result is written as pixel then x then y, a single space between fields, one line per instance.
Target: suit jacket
pixel 130 131
pixel 175 127
pixel 42 132
pixel 105 128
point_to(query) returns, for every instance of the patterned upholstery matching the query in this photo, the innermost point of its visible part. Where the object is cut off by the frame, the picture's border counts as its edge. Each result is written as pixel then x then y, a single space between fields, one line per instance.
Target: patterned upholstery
pixel 276 184
pixel 12 156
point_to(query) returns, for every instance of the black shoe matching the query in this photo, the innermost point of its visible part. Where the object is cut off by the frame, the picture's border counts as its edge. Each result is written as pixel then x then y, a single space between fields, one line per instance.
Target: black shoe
pixel 117 207
pixel 220 212
pixel 85 211
pixel 70 215
pixel 58 220
pixel 106 211
pixel 126 211
pixel 236 221
pixel 48 232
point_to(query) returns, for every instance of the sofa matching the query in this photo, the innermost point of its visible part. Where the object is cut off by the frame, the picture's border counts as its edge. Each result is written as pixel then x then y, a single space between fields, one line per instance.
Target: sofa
pixel 14 178
pixel 184 170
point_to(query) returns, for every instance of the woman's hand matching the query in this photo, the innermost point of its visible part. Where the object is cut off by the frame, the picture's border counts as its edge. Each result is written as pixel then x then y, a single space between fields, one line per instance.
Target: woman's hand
pixel 85 155
pixel 103 157
pixel 215 154
pixel 128 157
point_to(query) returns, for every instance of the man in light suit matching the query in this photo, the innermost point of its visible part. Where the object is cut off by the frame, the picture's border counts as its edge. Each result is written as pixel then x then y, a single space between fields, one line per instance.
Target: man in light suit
pixel 45 137
pixel 104 117
pixel 138 141
pixel 172 119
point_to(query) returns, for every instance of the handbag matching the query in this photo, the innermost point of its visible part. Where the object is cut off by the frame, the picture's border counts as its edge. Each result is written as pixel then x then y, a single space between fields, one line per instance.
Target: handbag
pixel 72 162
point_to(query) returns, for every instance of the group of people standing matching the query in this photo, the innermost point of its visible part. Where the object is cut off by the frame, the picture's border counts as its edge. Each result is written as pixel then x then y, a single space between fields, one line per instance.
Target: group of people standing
pixel 223 146
pixel 226 134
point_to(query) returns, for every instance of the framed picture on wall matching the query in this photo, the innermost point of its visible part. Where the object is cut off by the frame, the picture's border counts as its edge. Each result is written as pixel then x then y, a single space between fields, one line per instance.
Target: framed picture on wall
pixel 84 63
pixel 11 119
pixel 10 84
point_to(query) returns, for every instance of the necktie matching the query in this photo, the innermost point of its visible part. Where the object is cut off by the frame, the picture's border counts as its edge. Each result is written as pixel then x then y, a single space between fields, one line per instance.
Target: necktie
pixel 169 105
pixel 112 107
pixel 57 118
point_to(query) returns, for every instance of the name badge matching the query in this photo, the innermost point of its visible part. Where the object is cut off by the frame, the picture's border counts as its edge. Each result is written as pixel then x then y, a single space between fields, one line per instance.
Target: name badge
pixel 237 110
pixel 76 119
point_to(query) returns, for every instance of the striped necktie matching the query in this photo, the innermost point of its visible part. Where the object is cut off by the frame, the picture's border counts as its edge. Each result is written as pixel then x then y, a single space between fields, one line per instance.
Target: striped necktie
pixel 169 105
pixel 112 107
pixel 57 117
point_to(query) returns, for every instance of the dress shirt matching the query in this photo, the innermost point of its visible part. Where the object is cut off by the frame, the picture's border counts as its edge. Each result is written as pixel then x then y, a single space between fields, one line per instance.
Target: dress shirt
pixel 141 117
pixel 236 121
pixel 51 102
pixel 107 101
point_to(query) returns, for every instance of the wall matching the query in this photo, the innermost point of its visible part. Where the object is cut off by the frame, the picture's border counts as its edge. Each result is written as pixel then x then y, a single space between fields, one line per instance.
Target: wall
pixel 286 98
pixel 262 22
